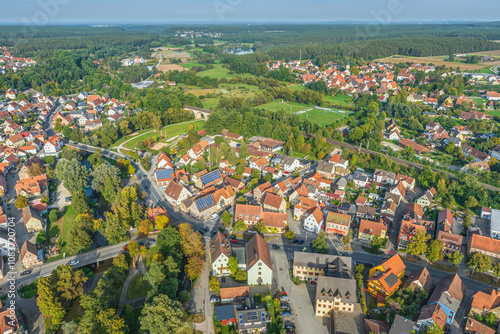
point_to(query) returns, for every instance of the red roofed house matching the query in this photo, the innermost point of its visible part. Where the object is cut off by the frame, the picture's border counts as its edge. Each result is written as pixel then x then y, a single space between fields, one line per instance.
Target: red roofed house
pixel 337 223
pixel 368 229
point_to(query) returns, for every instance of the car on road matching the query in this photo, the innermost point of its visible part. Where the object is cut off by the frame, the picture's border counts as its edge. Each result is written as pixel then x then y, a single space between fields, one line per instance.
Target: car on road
pixel 214 216
pixel 215 299
pixel 235 241
pixel 295 241
pixel 26 272
pixel 275 247
pixel 206 229
pixel 68 199
pixel 223 280
pixel 300 242
pixel 125 248
pixel 74 262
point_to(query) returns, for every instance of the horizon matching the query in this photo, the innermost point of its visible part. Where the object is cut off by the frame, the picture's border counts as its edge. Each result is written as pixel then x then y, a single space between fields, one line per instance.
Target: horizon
pixel 126 12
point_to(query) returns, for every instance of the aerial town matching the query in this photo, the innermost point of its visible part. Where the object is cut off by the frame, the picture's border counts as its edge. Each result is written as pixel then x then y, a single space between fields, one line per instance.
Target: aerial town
pixel 184 180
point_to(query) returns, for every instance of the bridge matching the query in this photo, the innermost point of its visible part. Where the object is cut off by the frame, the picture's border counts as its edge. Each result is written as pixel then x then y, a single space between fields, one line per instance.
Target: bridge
pixel 199 113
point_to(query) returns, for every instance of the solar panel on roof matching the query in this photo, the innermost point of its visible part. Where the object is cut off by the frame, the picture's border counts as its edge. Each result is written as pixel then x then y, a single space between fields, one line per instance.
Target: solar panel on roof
pixel 241 319
pixel 252 316
pixel 210 177
pixel 204 202
pixel 164 174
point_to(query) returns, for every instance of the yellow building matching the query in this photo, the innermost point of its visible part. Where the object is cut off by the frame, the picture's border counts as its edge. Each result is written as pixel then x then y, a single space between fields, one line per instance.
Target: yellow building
pixel 385 277
pixel 368 229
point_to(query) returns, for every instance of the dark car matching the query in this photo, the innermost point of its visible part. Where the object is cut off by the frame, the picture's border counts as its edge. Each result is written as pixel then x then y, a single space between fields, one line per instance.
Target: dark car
pixel 275 247
pixel 26 272
pixel 295 241
pixel 223 280
pixel 300 242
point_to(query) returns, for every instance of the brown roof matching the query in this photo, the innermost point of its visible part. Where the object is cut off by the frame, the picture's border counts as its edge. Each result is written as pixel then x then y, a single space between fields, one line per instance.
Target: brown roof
pixel 29 212
pixel 219 245
pixel 256 249
pixel 434 311
pixel 235 292
pixel 394 263
pixel 450 238
pixel 421 275
pixel 272 200
pixel 275 219
pixel 486 300
pixel 263 187
pixel 174 190
pixel 371 227
pixel 485 243
pixel 418 148
pixel 451 284
pixel 475 327
pixel 28 247
pixel 376 326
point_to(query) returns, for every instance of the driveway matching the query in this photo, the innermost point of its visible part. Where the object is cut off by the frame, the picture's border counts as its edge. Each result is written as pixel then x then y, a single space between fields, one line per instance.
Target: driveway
pixel 300 297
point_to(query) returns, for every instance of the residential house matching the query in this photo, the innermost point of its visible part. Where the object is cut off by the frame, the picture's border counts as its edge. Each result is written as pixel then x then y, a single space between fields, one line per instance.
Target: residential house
pixel 337 223
pixel 376 326
pixel 303 206
pixel 448 294
pixel 195 152
pixel 212 178
pixel 366 212
pixel 445 221
pixel 225 314
pixel 274 203
pixel 237 185
pixel 53 145
pixel 258 260
pixel 326 169
pixel 369 229
pixel 176 193
pixel 432 314
pixel 451 242
pixel 164 176
pixel 314 221
pixel 385 277
pixel 258 163
pixel 258 192
pixel 251 318
pixel 476 154
pixel 426 198
pixel 402 326
pixel 155 212
pixel 384 177
pixel 15 141
pixel 29 255
pixel 220 252
pixel 484 302
pixel 24 171
pixel 495 224
pixel 473 326
pixel 484 245
pixel 407 230
pixel 33 186
pixel 32 220
pixel 335 293
pixel 228 295
pixel 252 214
pixel 164 161
pixel 290 164
pixel 310 266
pixel 419 149
pixel 419 279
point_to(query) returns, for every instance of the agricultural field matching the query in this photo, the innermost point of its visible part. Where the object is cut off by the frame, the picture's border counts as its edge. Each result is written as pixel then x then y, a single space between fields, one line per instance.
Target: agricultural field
pixel 324 117
pixel 165 67
pixel 437 61
pixel 219 72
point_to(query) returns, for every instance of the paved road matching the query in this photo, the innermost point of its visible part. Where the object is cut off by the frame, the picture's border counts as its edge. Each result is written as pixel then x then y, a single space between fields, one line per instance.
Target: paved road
pixel 397 160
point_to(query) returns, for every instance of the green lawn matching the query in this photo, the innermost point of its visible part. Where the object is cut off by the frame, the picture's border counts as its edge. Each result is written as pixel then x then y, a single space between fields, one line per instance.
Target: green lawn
pixel 138 287
pixel 494 113
pixel 172 131
pixel 342 100
pixel 323 117
pixel 62 227
pixel 29 291
pixel 292 107
pixel 220 72
pixel 121 140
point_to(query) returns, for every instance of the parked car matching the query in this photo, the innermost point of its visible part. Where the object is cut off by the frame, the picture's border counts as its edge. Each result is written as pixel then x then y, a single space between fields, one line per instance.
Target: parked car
pixel 300 242
pixel 215 299
pixel 213 216
pixel 275 247
pixel 295 241
pixel 74 262
pixel 286 312
pixel 125 248
pixel 235 241
pixel 223 280
pixel 26 272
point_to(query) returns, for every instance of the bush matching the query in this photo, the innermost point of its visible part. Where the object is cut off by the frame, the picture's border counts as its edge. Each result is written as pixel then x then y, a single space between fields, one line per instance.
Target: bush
pixel 53 215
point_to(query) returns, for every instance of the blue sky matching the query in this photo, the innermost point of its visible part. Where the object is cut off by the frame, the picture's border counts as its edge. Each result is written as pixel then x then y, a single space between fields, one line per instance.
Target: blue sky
pixel 39 12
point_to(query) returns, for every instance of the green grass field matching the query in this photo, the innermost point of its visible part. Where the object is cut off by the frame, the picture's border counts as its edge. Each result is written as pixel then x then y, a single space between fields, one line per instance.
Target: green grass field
pixel 323 117
pixel 219 72
pixel 287 106
pixel 62 227
pixel 342 100
pixel 494 113
pixel 138 287
pixel 172 131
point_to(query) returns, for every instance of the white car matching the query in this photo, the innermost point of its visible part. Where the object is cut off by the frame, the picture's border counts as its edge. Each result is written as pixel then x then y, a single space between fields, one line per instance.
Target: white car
pixel 74 263
pixel 214 215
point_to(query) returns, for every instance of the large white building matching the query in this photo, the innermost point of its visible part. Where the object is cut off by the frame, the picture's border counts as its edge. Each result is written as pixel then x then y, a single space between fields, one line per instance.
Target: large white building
pixel 495 224
pixel 258 258
pixel 220 252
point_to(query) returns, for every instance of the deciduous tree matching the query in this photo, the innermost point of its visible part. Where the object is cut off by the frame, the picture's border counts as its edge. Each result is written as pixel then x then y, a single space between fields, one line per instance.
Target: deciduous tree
pixel 163 315
pixel 418 243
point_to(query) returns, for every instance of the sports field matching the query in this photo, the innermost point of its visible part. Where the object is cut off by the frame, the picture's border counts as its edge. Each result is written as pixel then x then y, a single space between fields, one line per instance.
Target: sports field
pixel 324 117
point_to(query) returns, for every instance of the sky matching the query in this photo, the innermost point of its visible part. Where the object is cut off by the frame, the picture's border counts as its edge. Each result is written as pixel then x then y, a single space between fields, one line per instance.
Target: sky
pixel 50 12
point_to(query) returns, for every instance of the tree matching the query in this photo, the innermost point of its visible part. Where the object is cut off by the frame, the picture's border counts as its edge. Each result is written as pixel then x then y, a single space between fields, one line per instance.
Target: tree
pixel 194 267
pixel 73 175
pixel 418 243
pixel 232 265
pixel 191 241
pixel 21 202
pixel 226 218
pixel 79 203
pixel 53 215
pixel 471 202
pixel 377 242
pixel 240 275
pixel 347 238
pixel 479 262
pixel 35 170
pixel 255 173
pixel 106 180
pixel 290 235
pixel 214 284
pixel 434 329
pixel 163 315
pixel 260 227
pixel 435 251
pixel 455 258
pixel 45 199
pixel 133 249
pixel 41 238
pixel 239 226
pixel 319 245
pixel 162 221
pixel 145 227
pixel 496 271
pixel 80 236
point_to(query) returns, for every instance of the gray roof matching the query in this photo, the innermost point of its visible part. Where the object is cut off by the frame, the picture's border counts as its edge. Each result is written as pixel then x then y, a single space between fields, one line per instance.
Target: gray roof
pixel 326 167
pixel 335 266
pixel 449 292
pixel 251 318
pixel 240 254
pixel 334 287
pixel 401 326
pixel 495 220
pixel 224 312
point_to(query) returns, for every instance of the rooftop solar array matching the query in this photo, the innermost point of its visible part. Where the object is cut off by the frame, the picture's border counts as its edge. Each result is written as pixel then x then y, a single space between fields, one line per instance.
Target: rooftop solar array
pixel 203 202
pixel 163 174
pixel 252 316
pixel 210 177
